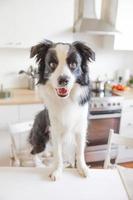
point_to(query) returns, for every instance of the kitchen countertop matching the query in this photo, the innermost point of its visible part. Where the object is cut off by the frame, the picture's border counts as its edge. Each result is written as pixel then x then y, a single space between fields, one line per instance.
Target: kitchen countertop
pixel 21 96
pixel 26 96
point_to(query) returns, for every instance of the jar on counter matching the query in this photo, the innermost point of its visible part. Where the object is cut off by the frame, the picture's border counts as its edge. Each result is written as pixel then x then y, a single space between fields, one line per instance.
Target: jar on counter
pixel 108 86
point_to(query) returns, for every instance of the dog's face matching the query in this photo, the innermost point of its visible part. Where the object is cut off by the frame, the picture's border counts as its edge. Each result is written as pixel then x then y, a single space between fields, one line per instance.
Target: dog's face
pixel 62 65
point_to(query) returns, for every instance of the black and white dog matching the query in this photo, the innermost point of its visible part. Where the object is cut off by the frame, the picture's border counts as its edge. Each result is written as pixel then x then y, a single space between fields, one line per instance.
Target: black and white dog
pixel 64 86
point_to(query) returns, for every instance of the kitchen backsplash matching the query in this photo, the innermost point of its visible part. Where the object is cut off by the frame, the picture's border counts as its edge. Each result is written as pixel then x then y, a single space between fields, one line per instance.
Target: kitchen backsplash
pixel 107 63
pixel 111 63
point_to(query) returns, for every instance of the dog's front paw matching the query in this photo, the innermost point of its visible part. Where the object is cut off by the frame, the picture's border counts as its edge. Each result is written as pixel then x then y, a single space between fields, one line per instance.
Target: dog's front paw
pixel 56 174
pixel 83 170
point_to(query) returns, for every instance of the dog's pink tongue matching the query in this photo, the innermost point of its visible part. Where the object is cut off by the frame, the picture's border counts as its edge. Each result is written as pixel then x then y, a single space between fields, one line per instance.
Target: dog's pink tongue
pixel 62 90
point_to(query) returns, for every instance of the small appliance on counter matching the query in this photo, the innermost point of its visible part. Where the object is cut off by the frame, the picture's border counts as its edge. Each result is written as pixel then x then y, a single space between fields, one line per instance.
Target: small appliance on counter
pixel 98 85
pixel 32 74
pixel 4 93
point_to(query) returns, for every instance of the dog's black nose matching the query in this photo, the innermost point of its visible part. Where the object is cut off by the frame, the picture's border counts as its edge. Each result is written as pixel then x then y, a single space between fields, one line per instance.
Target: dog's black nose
pixel 63 80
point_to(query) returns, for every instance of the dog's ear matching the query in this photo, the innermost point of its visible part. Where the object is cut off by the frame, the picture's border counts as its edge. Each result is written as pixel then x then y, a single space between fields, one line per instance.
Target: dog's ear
pixel 40 49
pixel 85 51
pixel 34 50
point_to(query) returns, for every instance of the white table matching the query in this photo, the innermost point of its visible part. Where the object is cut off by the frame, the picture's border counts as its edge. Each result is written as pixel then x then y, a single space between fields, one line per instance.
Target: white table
pixel 126 175
pixel 34 184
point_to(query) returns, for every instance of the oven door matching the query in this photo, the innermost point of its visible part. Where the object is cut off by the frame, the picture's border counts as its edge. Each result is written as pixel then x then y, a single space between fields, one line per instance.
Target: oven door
pixel 98 131
pixel 99 125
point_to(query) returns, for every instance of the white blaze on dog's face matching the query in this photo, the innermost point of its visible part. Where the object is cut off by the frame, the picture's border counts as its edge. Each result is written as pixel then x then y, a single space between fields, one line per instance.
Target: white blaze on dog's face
pixel 62 79
pixel 61 65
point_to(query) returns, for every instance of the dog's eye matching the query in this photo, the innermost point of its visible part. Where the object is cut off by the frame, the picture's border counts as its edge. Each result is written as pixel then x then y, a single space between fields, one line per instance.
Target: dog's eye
pixel 73 65
pixel 52 65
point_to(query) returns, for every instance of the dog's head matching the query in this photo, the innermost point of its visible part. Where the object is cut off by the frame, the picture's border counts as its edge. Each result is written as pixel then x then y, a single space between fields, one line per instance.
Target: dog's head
pixel 62 65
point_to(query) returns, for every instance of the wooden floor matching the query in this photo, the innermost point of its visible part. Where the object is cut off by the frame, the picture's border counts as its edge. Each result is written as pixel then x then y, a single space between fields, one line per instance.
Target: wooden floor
pixel 100 164
pixel 129 164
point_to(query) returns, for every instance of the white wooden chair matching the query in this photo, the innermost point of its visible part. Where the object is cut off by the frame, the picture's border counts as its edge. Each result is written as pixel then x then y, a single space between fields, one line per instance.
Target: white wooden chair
pixel 118 140
pixel 19 143
pixel 20 148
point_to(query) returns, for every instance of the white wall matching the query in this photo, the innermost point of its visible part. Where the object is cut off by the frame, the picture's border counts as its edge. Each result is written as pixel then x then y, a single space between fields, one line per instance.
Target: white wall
pixel 111 63
pixel 11 61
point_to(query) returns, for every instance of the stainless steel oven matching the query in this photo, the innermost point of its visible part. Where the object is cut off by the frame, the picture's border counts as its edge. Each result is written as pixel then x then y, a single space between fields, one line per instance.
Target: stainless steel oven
pixel 105 114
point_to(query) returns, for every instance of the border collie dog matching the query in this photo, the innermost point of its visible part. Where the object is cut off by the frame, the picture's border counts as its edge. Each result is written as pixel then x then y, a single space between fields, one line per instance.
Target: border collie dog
pixel 64 86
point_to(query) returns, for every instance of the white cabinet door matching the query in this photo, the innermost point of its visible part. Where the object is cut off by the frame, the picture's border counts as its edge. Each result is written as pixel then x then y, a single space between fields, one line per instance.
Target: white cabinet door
pixel 28 112
pixel 126 128
pixel 26 22
pixel 18 113
pixel 8 114
pixel 4 148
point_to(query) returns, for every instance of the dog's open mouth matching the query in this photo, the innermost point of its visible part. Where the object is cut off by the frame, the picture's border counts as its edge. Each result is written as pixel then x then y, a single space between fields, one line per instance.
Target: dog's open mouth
pixel 62 92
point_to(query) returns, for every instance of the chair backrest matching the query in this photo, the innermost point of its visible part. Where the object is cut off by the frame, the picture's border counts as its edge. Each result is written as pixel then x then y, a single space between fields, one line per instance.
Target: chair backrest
pixel 17 131
pixel 20 127
pixel 117 139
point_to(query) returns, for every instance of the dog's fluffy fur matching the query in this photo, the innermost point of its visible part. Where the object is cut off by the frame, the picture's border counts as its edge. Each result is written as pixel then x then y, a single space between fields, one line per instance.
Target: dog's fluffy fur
pixel 64 86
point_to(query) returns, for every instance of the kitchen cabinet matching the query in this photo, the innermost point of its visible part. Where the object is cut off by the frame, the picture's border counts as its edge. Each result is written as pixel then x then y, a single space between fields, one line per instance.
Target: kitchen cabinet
pixel 124 24
pixel 24 23
pixel 8 114
pixel 28 112
pixel 18 113
pixel 12 114
pixel 126 128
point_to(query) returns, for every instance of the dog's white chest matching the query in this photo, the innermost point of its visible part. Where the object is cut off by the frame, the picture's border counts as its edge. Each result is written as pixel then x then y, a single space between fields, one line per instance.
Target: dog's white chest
pixel 65 115
pixel 68 117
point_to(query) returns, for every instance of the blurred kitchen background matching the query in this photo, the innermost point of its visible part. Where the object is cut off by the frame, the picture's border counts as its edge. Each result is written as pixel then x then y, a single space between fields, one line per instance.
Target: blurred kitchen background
pixel 106 26
pixel 25 23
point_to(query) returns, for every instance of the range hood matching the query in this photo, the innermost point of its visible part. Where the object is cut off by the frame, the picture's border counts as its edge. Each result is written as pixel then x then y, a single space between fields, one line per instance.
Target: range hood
pixel 92 20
